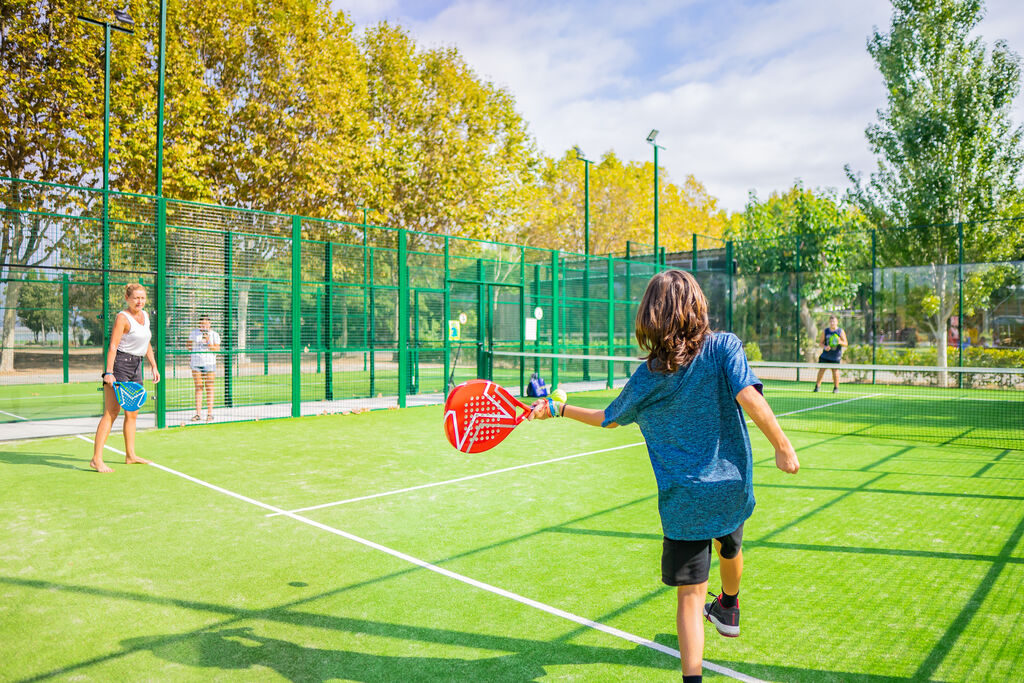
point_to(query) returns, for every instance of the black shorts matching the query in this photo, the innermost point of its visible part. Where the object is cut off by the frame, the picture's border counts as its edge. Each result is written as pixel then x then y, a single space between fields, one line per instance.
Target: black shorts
pixel 127 368
pixel 687 563
pixel 822 359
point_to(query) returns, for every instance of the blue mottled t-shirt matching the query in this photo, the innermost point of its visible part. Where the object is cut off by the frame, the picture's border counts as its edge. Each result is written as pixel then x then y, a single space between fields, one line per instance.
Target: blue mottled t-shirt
pixel 696 437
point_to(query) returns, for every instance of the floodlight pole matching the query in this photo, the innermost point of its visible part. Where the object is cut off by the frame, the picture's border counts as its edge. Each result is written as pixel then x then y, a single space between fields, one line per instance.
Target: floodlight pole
pixel 107 26
pixel 651 139
pixel 586 258
pixel 161 67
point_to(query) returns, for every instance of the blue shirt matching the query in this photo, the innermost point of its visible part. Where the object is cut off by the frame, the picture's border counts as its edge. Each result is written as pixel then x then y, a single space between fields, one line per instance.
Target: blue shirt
pixel 836 353
pixel 696 437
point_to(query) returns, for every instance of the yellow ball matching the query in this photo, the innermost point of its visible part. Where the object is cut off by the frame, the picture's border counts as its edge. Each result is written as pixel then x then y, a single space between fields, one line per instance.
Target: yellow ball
pixel 559 395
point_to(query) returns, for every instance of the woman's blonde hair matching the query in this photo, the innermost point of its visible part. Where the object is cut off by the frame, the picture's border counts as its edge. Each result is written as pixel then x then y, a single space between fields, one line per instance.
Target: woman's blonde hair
pixel 672 321
pixel 132 288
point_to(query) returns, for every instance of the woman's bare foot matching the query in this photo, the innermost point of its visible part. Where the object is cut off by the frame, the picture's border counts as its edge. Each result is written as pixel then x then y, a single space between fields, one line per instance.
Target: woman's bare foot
pixel 99 466
pixel 135 460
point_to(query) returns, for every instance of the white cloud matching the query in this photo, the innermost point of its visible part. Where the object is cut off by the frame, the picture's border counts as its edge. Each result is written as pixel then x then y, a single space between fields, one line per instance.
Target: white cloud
pixel 746 95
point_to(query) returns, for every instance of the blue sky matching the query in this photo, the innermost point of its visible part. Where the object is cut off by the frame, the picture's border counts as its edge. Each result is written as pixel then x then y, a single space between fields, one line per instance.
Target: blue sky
pixel 747 95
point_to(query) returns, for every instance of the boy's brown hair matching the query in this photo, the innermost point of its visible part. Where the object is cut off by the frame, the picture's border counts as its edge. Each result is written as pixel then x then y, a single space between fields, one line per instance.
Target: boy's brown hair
pixel 672 321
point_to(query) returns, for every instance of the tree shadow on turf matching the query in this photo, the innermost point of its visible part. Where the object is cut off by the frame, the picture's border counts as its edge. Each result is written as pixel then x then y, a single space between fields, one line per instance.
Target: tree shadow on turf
pixel 44 459
pixel 244 649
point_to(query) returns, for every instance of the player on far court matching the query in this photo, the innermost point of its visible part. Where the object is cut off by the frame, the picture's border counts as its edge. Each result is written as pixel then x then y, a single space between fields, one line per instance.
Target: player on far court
pixel 833 339
pixel 686 400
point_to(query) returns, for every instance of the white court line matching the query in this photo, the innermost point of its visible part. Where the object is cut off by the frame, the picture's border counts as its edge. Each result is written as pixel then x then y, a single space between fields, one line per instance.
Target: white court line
pixel 519 467
pixel 827 405
pixel 17 417
pixel 453 481
pixel 610 630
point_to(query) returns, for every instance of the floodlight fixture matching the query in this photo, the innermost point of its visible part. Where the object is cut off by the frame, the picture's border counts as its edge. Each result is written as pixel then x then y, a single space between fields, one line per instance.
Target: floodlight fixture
pixel 652 136
pixel 122 16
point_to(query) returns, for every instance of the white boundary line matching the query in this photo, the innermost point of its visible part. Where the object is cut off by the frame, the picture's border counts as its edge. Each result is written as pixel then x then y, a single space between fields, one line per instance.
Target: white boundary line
pixel 454 481
pixel 610 630
pixel 17 417
pixel 519 467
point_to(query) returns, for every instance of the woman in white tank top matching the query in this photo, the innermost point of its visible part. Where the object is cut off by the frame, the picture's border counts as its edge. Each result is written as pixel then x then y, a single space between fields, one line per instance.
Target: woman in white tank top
pixel 129 343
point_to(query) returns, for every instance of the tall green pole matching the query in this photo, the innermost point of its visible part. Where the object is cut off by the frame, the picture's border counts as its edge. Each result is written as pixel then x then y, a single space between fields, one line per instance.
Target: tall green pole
pixel 693 255
pixel 447 303
pixel 229 327
pixel 329 341
pixel 161 65
pixel 556 314
pixel 161 310
pixel 403 319
pixel 106 180
pixel 799 265
pixel 657 255
pixel 874 310
pixel 611 320
pixel 266 329
pixel 729 272
pixel 960 306
pixel 107 27
pixel 65 290
pixel 296 316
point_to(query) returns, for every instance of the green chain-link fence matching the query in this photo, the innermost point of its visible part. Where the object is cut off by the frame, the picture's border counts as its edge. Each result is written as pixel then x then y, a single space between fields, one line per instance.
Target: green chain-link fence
pixel 325 316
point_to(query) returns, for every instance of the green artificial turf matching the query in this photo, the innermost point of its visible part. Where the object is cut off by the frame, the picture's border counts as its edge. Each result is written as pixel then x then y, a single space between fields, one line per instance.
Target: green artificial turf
pixel 881 560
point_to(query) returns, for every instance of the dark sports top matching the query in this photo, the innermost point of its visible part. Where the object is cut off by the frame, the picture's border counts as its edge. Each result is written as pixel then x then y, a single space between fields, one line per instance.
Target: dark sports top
pixel 832 354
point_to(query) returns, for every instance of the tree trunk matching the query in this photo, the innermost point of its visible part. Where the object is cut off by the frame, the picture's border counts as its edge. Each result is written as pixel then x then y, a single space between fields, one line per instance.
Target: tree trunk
pixel 11 295
pixel 811 330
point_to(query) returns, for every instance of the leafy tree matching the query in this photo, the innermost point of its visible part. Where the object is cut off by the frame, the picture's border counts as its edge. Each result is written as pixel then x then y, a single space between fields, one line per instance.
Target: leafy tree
pixel 39 306
pixel 948 152
pixel 621 207
pixel 803 250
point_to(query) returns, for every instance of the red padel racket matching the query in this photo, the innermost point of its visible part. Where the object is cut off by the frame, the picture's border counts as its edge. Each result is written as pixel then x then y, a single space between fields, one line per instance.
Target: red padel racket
pixel 479 414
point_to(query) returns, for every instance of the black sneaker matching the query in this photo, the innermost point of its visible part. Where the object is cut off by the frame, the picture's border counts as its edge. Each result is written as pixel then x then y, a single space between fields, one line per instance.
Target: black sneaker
pixel 815 390
pixel 725 619
pixel 835 390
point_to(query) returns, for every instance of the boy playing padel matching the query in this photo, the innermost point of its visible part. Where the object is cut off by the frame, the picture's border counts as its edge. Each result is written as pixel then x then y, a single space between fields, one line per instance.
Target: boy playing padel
pixel 686 400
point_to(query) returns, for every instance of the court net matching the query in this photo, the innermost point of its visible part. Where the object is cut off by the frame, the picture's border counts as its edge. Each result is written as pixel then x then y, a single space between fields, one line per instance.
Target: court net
pixel 970 406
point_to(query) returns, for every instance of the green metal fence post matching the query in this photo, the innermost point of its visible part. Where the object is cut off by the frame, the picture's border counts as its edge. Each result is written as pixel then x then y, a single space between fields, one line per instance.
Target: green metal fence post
pixel 556 314
pixel 414 351
pixel 266 328
pixel 796 352
pixel 874 310
pixel 611 320
pixel 229 327
pixel 403 319
pixel 522 320
pixel 65 296
pixel 296 316
pixel 586 315
pixel 329 354
pixel 729 277
pixel 318 339
pixel 447 305
pixel 960 305
pixel 481 321
pixel 372 337
pixel 163 327
pixel 693 255
pixel 536 303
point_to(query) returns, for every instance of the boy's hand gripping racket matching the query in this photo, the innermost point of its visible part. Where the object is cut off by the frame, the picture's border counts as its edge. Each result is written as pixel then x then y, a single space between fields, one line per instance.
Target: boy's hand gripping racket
pixel 479 414
pixel 130 395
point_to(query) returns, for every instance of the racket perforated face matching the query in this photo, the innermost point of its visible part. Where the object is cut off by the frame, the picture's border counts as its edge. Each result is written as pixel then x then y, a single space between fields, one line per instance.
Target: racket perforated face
pixel 130 395
pixel 479 414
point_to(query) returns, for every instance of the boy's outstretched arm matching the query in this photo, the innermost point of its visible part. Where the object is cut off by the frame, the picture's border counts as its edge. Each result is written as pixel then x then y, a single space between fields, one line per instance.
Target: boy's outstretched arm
pixel 588 416
pixel 761 413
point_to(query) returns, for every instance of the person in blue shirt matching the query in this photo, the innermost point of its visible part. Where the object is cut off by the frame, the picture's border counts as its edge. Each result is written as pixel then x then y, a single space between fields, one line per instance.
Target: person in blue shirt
pixel 687 401
pixel 833 339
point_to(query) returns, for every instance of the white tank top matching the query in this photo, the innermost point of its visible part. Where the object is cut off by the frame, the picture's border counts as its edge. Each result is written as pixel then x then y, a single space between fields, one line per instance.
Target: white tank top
pixel 136 340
